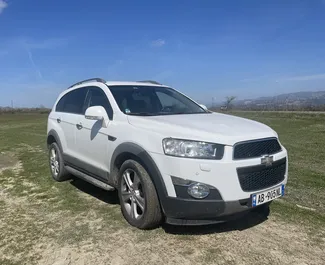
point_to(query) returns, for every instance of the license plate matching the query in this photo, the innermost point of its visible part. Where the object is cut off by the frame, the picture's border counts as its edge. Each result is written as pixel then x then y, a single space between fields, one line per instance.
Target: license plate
pixel 268 195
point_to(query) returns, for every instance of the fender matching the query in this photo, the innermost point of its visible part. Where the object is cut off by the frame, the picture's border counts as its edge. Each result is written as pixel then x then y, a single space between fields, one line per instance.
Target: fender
pixel 147 162
pixel 54 134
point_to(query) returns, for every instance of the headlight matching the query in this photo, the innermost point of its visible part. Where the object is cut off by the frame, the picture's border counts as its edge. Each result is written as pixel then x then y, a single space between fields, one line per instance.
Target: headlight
pixel 192 149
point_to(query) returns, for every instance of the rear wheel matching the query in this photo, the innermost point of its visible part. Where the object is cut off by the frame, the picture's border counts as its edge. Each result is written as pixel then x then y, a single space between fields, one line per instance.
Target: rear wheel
pixel 138 197
pixel 56 162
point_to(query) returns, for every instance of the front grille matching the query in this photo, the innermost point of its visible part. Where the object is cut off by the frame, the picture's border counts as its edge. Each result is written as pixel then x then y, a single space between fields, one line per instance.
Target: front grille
pixel 256 148
pixel 261 177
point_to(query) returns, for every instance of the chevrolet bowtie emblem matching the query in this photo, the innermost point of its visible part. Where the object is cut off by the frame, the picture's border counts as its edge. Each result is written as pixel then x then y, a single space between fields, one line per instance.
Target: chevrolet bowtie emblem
pixel 267 160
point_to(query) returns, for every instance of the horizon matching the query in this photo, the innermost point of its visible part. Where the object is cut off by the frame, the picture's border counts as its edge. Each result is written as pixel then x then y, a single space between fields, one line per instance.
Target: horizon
pixel 207 102
pixel 206 50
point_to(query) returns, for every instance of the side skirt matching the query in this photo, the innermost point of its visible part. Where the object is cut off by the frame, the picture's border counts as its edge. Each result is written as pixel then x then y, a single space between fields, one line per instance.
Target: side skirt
pixel 89 179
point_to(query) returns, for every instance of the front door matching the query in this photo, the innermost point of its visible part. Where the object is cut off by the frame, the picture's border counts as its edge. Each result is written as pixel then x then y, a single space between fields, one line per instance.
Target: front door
pixel 92 139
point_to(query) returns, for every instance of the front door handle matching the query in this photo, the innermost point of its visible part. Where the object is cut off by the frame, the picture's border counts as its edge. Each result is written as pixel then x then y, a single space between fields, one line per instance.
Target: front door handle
pixel 58 120
pixel 79 126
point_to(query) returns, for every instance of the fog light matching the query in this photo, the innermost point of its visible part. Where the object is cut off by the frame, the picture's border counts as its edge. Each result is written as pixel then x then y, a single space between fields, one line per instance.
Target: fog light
pixel 198 190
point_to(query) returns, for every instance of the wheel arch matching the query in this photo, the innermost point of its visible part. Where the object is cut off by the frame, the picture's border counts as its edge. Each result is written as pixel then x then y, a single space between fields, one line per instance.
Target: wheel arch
pixel 53 137
pixel 126 151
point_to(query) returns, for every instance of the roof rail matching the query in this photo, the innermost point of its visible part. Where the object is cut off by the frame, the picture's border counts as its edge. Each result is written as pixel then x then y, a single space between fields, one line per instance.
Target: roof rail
pixel 88 80
pixel 150 81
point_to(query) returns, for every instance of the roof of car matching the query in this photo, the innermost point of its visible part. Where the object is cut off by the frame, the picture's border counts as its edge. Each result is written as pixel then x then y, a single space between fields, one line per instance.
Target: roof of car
pixel 130 83
pixel 117 83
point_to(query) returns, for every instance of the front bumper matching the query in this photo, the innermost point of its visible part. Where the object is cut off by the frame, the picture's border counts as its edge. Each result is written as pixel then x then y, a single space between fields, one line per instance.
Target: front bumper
pixel 229 199
pixel 181 211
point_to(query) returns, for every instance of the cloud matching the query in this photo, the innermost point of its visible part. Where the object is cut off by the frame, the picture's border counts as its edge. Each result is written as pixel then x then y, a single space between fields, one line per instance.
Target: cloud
pixel 28 48
pixel 32 44
pixel 3 5
pixel 304 77
pixel 32 62
pixel 158 43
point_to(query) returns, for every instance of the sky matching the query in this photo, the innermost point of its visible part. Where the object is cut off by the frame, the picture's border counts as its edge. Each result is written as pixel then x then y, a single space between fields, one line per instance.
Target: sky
pixel 206 49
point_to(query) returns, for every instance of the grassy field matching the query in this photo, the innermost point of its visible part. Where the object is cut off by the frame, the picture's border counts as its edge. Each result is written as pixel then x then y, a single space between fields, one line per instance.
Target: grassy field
pixel 44 222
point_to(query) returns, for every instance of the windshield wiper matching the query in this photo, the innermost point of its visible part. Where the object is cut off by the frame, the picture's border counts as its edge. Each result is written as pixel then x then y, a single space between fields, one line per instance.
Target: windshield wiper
pixel 141 114
pixel 182 113
pixel 163 113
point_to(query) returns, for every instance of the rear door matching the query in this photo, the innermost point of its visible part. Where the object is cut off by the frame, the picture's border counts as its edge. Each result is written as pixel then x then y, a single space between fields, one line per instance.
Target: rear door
pixel 92 139
pixel 68 109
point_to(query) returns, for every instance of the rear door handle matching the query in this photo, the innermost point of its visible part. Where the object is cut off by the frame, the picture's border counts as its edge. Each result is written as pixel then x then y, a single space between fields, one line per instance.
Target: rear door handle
pixel 58 120
pixel 79 126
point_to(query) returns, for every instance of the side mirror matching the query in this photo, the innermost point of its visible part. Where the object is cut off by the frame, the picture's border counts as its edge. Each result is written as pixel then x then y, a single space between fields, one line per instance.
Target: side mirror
pixel 97 113
pixel 203 107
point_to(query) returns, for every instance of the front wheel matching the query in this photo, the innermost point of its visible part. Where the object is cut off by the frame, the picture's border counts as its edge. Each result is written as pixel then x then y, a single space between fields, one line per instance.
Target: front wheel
pixel 138 197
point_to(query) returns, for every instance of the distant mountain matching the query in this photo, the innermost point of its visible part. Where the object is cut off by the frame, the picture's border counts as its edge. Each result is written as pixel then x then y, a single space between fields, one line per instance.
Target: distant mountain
pixel 297 99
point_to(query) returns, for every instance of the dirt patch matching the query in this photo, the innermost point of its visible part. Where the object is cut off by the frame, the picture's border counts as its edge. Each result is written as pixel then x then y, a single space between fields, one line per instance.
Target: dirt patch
pixel 30 148
pixel 13 126
pixel 271 242
pixel 9 162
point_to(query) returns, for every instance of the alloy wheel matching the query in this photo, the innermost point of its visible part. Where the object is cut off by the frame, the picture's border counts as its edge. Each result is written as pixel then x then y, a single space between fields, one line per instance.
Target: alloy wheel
pixel 132 194
pixel 54 160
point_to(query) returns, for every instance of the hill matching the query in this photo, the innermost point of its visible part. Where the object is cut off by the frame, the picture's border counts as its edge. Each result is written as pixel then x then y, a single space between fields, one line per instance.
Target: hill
pixel 298 100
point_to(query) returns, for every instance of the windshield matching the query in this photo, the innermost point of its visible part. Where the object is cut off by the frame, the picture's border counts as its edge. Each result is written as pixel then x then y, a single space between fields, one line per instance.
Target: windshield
pixel 152 100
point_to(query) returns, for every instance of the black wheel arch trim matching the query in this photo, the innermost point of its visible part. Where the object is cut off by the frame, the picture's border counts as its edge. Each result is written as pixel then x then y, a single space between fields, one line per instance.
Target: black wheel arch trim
pixel 54 134
pixel 148 163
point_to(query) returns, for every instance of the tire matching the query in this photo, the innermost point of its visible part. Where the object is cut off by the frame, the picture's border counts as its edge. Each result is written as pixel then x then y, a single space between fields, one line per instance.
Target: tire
pixel 138 197
pixel 56 164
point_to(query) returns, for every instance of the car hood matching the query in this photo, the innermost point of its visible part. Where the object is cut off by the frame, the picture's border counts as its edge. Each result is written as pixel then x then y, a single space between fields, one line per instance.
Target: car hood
pixel 213 127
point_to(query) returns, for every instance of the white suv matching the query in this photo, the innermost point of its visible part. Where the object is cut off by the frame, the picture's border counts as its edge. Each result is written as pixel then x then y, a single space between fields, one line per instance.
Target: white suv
pixel 169 158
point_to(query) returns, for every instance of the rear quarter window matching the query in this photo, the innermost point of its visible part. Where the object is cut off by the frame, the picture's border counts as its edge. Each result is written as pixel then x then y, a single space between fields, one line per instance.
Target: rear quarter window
pixel 73 101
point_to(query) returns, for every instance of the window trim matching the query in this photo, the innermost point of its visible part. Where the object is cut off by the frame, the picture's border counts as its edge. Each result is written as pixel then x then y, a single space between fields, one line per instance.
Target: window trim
pixel 88 97
pixel 65 95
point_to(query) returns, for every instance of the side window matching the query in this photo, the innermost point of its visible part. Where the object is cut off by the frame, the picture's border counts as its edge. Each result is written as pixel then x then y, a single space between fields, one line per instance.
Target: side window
pixel 60 105
pixel 99 98
pixel 73 101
